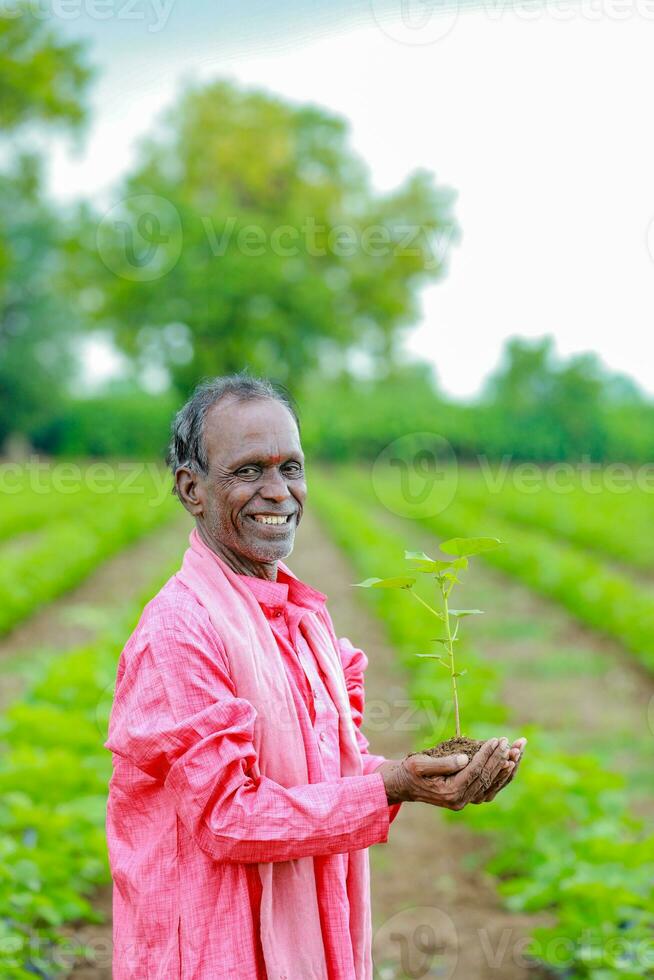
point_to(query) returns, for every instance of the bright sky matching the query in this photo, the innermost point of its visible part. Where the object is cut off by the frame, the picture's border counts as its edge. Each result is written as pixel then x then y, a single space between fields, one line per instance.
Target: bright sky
pixel 539 116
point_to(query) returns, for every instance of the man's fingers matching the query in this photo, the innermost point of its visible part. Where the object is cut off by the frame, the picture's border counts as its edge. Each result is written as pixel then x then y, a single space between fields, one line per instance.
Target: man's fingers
pixel 485 768
pixel 505 777
pixel 466 783
pixel 428 765
pixel 515 757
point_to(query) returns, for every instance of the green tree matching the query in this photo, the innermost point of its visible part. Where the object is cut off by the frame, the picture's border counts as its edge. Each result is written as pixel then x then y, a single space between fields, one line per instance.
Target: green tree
pixel 41 81
pixel 249 235
pixel 542 408
pixel 41 77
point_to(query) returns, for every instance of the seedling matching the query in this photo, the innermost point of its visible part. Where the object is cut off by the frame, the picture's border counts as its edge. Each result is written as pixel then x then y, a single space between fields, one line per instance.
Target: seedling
pixel 445 573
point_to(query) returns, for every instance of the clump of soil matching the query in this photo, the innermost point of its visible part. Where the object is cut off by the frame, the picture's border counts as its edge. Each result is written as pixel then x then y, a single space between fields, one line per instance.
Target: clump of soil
pixel 453 746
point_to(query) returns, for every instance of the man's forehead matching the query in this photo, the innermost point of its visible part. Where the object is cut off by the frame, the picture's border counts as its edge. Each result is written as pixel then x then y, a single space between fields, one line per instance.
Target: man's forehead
pixel 251 429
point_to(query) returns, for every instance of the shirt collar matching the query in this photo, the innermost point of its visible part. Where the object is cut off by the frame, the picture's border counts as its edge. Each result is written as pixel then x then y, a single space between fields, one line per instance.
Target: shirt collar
pixel 287 588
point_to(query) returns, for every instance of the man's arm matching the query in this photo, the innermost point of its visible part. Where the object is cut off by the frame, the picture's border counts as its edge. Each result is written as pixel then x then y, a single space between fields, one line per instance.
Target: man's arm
pixel 176 718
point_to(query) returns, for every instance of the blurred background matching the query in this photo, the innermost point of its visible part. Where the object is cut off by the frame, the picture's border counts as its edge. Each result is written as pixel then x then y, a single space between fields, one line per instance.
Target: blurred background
pixel 431 222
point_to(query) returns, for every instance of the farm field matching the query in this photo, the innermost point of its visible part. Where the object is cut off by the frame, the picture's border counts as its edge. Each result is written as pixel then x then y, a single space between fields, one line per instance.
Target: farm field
pixel 59 524
pixel 571 837
pixel 563 860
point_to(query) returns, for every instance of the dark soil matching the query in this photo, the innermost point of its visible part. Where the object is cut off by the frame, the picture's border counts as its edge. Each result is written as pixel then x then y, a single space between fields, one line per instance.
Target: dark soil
pixel 453 746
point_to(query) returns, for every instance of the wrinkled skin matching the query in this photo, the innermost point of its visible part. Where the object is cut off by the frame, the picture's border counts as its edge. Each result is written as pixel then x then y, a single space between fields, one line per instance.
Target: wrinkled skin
pixel 451 784
pixel 256 466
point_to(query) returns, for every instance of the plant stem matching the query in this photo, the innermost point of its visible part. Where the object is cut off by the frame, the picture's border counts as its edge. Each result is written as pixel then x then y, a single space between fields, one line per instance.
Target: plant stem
pixel 450 646
pixel 426 605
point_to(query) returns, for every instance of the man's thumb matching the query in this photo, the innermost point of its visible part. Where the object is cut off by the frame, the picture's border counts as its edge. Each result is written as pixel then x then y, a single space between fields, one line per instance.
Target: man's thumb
pixel 428 765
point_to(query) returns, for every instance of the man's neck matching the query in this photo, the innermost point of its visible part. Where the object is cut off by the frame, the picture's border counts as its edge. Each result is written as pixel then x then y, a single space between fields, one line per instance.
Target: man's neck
pixel 240 564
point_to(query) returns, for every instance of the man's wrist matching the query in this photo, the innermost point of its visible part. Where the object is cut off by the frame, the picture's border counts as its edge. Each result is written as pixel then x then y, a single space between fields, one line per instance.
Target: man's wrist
pixel 391 773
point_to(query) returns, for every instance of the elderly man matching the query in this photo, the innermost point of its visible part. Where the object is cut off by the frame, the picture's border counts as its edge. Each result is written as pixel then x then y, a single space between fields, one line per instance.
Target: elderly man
pixel 243 797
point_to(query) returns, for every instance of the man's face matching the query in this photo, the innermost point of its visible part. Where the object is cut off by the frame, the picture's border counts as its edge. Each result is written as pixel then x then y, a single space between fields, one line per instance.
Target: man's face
pixel 256 473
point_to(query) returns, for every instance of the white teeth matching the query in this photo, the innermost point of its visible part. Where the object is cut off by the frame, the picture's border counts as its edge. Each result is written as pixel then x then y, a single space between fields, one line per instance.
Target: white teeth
pixel 262 519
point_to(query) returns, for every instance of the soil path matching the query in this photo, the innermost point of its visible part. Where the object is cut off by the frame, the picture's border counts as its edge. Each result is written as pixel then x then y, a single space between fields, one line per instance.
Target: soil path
pixel 74 619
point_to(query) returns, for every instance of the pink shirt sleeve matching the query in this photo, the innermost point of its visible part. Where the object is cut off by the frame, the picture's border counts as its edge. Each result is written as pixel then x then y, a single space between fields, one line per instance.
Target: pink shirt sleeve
pixel 354 663
pixel 177 718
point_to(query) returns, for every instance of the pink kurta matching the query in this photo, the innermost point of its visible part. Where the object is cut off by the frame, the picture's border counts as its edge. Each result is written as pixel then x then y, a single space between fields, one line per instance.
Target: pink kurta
pixel 186 822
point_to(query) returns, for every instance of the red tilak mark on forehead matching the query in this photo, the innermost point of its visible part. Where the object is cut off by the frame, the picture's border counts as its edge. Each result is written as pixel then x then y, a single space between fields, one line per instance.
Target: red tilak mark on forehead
pixel 275 459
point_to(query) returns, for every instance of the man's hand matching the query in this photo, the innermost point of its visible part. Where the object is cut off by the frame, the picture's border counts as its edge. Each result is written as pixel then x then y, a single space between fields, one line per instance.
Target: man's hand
pixel 504 778
pixel 450 782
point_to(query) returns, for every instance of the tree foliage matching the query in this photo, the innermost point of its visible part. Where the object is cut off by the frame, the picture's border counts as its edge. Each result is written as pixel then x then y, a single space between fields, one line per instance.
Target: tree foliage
pixel 41 81
pixel 277 253
pixel 41 77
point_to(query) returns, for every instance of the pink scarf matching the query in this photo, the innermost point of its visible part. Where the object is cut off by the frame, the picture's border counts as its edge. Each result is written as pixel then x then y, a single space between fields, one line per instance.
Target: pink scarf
pixel 290 924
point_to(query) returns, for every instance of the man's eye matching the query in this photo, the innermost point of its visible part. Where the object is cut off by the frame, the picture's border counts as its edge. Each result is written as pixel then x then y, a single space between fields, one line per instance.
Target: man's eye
pixel 293 468
pixel 248 472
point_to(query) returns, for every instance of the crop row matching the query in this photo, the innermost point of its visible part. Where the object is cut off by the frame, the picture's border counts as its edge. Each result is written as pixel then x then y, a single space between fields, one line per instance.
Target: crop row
pixel 32 496
pixel 565 842
pixel 54 774
pixel 591 590
pixel 599 513
pixel 35 570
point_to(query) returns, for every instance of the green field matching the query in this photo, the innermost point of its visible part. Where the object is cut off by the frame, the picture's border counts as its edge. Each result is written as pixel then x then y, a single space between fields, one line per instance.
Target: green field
pixel 568 603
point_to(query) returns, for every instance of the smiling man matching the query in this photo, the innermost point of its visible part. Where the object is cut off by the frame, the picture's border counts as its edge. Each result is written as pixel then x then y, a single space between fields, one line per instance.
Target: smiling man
pixel 243 797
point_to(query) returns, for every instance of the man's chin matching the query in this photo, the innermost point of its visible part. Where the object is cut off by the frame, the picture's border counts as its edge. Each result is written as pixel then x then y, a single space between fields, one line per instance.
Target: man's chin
pixel 269 551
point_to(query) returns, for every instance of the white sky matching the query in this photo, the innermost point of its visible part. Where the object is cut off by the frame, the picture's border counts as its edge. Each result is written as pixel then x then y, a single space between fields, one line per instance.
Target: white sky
pixel 540 119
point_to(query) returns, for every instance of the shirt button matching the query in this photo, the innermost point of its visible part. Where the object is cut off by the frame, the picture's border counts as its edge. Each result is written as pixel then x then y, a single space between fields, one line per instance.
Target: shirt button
pixel 322 736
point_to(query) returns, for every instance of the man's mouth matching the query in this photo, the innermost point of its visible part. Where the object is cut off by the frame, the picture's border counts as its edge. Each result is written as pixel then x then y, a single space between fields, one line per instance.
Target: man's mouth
pixel 271 518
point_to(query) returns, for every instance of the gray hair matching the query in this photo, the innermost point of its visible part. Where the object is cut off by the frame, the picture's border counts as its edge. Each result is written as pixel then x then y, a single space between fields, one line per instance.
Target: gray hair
pixel 187 446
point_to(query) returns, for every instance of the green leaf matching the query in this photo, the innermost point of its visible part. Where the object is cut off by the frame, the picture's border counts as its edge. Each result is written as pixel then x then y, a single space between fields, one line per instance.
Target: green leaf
pixel 423 563
pixel 466 612
pixel 431 567
pixel 399 582
pixel 469 546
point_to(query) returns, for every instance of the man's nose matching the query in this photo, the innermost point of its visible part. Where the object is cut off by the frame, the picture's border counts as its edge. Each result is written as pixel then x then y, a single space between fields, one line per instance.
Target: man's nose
pixel 274 486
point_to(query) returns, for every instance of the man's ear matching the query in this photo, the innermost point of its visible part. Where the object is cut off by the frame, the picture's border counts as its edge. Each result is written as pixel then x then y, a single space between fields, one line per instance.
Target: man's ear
pixel 190 490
